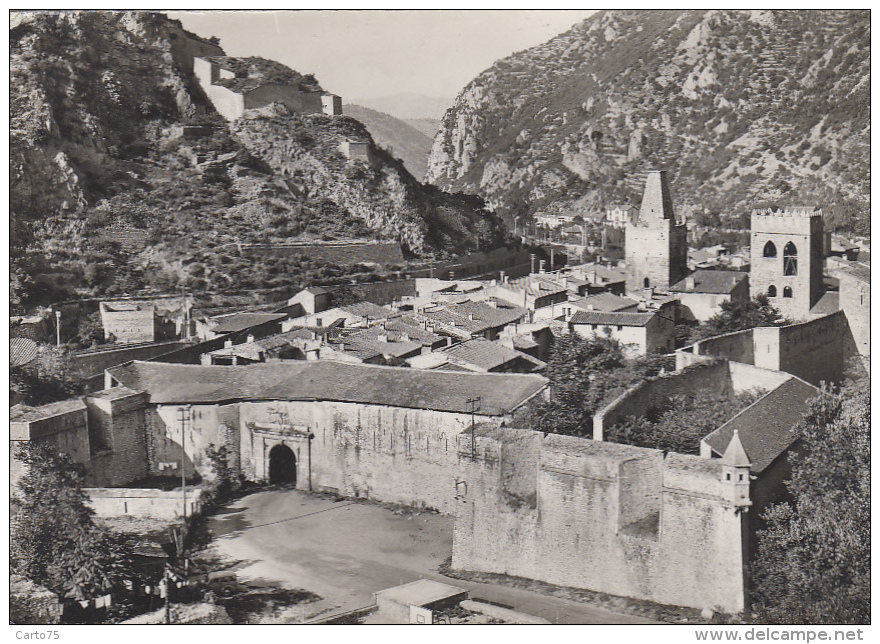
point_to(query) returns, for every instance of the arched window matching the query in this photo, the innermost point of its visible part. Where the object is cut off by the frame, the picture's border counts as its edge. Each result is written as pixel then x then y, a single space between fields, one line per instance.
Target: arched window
pixel 786 292
pixel 789 259
pixel 769 249
pixel 647 282
pixel 771 291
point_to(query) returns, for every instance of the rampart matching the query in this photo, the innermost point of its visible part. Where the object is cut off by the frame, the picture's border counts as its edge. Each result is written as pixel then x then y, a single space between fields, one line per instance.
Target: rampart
pixel 342 254
pixel 143 502
pixel 92 363
pixel 815 350
pixel 612 518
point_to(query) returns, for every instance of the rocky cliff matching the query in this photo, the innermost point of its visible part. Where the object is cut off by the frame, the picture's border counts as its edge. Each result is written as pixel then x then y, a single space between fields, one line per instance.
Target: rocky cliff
pixel 741 107
pixel 124 178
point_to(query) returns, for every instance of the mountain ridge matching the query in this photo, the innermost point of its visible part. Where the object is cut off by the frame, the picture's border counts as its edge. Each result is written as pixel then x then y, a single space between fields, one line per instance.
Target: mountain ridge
pixel 740 107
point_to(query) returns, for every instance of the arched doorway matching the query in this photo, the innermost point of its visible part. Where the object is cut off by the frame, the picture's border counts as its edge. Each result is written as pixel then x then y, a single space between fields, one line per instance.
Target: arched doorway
pixel 282 465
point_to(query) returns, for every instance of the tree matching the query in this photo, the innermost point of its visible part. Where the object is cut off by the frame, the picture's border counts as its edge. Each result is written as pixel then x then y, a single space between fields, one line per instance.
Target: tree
pixel 681 421
pixel 55 541
pixel 814 558
pixel 51 380
pixel 227 479
pixel 584 375
pixel 739 316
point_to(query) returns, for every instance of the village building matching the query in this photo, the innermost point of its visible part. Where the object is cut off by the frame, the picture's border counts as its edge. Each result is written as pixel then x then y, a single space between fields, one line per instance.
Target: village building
pixel 638 333
pixel 703 292
pixel 606 302
pixel 257 324
pixel 599 278
pixel 359 314
pixel 128 321
pixel 313 299
pixel 466 320
pixel 656 244
pixel 619 215
pixel 482 355
pixel 534 292
pixel 234 85
pixel 788 258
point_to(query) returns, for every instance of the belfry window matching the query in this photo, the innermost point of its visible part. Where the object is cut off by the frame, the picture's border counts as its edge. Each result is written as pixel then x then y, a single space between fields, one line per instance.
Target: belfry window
pixel 771 291
pixel 789 259
pixel 769 249
pixel 647 282
pixel 787 292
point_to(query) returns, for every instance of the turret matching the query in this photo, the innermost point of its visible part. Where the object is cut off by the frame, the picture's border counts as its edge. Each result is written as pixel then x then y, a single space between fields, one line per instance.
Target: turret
pixel 736 472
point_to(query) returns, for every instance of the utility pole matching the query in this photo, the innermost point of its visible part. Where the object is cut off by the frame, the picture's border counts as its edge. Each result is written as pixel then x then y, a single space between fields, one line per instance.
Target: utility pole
pixel 475 407
pixel 184 414
pixel 57 327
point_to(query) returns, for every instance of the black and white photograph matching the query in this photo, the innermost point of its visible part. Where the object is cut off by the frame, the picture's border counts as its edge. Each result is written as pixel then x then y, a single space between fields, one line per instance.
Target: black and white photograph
pixel 386 316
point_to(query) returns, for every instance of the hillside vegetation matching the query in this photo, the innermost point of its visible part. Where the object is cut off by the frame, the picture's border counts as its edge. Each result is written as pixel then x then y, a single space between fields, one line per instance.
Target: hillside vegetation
pixel 403 140
pixel 110 196
pixel 742 108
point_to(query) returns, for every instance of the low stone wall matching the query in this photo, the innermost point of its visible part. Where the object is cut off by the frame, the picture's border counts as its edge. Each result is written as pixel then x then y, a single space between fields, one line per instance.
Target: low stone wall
pixel 143 502
pixel 32 604
pixel 185 614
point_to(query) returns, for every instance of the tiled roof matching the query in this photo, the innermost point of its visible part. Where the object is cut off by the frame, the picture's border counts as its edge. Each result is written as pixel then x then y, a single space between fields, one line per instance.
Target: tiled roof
pixel 329 380
pixel 22 351
pixel 533 286
pixel 766 428
pixel 828 303
pixel 860 272
pixel 368 310
pixel 717 282
pixel 243 321
pixel 482 353
pixel 368 339
pixel 114 393
pixel 611 318
pixel 607 302
pixel 606 273
pixel 524 341
pixel 457 318
pixel 413 329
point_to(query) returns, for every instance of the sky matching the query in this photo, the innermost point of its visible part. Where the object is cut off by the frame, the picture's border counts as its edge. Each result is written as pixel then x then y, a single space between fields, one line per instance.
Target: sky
pixel 371 53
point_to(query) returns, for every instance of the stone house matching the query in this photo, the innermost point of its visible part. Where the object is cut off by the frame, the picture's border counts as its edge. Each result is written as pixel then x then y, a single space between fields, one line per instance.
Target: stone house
pixel 702 293
pixel 638 333
pixel 136 321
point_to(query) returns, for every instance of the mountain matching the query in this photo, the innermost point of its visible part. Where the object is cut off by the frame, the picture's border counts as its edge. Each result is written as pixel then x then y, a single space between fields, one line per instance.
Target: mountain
pixel 404 141
pixel 428 127
pixel 407 105
pixel 124 178
pixel 741 107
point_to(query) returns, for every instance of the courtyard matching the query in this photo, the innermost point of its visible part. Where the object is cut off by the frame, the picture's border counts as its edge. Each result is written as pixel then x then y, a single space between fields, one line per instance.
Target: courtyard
pixel 345 550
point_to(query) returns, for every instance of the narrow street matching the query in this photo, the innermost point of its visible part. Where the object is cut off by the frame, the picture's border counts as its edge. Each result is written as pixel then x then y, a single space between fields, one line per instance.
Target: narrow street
pixel 345 551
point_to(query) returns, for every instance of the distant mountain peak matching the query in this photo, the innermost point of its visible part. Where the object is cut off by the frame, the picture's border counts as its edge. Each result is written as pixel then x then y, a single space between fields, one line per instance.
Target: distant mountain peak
pixel 407 105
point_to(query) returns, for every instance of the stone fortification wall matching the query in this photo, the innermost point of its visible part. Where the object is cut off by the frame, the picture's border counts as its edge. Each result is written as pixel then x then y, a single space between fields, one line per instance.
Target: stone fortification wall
pixel 289 95
pixel 135 502
pixel 811 350
pixel 117 433
pixel 612 518
pixel 32 604
pixel 92 363
pixel 205 425
pixel 407 456
pixel 653 392
pixel 738 346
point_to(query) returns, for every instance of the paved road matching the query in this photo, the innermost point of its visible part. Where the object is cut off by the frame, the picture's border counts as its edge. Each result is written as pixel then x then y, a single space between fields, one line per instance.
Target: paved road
pixel 345 551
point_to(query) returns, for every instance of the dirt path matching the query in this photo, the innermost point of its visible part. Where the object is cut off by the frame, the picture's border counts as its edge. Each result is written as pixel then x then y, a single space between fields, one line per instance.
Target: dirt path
pixel 345 551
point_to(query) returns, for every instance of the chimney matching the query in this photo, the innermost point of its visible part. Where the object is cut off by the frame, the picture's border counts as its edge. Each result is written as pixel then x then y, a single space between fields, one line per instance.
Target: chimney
pixel 492 303
pixel 470 316
pixel 382 337
pixel 690 283
pixel 502 278
pixel 591 307
pixel 532 258
pixel 541 265
pixel 227 344
pixel 250 338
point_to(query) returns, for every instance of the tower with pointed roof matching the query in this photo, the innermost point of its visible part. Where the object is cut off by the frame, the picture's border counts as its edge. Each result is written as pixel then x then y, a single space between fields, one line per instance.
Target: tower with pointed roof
pixel 656 244
pixel 735 468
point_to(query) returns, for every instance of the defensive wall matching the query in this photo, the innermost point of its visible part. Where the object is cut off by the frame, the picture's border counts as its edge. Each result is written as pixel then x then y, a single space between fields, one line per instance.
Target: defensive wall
pixel 815 350
pixel 611 518
pixel 92 363
pixel 143 502
pixel 717 376
pixel 342 254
